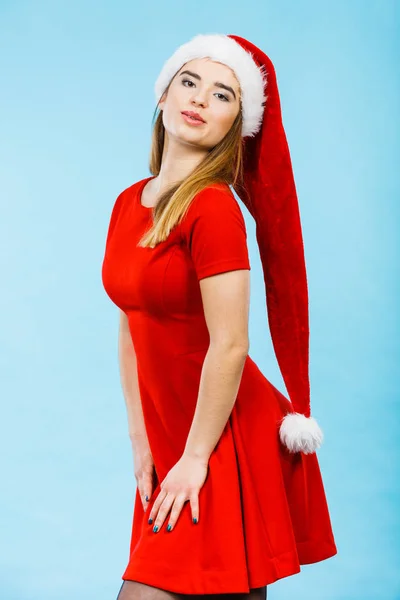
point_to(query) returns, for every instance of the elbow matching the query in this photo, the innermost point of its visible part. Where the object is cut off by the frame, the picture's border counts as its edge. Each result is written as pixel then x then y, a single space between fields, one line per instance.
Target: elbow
pixel 235 347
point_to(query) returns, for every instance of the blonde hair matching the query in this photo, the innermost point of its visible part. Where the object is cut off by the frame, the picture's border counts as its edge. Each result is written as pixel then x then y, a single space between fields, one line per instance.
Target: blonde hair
pixel 222 164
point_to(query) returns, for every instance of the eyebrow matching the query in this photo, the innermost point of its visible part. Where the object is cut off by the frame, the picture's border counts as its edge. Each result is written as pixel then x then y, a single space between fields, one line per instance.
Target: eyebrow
pixel 216 83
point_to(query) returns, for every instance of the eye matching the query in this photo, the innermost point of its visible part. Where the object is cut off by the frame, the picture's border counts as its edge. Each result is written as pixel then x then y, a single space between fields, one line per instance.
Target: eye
pixel 227 99
pixel 218 93
pixel 187 81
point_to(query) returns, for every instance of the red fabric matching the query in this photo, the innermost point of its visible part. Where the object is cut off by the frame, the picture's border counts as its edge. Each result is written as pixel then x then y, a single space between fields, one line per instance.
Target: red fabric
pixel 203 231
pixel 263 511
pixel 270 195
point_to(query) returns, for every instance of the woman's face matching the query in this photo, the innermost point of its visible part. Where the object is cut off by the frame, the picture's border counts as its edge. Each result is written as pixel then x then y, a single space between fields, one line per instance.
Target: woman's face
pixel 205 87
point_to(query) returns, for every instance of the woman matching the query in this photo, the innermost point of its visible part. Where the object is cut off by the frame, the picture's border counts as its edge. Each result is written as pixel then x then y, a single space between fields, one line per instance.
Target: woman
pixel 229 493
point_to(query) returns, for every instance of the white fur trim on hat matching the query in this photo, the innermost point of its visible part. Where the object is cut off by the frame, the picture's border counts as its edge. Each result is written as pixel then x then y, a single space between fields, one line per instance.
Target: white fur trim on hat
pixel 300 434
pixel 221 48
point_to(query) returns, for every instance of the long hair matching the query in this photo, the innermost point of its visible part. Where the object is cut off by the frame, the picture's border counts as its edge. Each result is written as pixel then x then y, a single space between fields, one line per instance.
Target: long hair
pixel 222 164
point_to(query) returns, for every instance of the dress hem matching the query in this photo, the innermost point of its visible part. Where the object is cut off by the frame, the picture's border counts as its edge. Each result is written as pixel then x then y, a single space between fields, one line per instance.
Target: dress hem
pixel 165 577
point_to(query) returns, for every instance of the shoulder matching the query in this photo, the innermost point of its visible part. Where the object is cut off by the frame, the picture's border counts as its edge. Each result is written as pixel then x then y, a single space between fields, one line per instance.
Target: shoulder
pixel 126 195
pixel 214 232
pixel 123 199
pixel 214 198
pixel 215 208
pixel 130 190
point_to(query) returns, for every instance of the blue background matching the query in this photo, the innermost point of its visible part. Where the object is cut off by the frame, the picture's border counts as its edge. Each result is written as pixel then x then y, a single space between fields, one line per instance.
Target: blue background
pixel 76 107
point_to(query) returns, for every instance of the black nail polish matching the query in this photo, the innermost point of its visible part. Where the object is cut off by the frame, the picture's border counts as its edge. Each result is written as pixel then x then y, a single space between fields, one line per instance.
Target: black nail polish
pixel 150 521
pixel 147 498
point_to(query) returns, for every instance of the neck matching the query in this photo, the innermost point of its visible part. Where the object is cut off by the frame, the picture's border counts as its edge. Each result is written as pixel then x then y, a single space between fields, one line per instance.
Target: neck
pixel 178 162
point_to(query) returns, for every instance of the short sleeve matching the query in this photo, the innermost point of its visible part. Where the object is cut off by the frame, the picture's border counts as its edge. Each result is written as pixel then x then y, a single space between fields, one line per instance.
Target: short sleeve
pixel 214 231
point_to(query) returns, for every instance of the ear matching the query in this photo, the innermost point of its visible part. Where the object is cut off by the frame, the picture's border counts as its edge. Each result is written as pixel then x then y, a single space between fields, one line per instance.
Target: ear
pixel 162 101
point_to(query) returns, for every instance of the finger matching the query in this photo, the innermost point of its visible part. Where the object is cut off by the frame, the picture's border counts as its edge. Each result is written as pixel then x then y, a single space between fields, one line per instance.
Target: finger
pixel 140 491
pixel 176 511
pixel 165 507
pixel 139 484
pixel 194 504
pixel 156 505
pixel 147 488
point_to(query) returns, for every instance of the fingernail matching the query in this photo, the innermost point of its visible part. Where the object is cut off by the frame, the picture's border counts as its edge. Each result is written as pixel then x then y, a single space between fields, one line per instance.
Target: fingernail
pixel 150 521
pixel 169 528
pixel 155 528
pixel 194 520
pixel 147 498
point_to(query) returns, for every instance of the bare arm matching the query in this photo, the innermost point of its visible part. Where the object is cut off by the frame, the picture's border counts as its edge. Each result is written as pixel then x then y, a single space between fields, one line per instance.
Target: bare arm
pixel 142 457
pixel 226 299
pixel 130 384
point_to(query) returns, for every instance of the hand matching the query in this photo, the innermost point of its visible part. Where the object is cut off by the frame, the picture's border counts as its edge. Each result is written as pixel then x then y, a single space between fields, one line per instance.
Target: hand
pixel 182 483
pixel 144 468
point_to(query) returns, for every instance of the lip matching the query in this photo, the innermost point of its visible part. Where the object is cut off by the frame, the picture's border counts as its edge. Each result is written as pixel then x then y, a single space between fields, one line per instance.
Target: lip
pixel 196 116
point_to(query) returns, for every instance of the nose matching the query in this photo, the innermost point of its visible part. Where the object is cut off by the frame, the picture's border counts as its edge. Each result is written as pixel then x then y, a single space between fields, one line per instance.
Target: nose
pixel 198 100
pixel 200 103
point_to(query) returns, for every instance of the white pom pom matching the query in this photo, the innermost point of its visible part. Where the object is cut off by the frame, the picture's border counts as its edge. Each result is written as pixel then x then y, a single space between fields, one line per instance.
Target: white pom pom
pixel 300 433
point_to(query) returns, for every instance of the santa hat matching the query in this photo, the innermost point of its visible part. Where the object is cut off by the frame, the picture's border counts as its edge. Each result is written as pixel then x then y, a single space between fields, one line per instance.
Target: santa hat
pixel 269 193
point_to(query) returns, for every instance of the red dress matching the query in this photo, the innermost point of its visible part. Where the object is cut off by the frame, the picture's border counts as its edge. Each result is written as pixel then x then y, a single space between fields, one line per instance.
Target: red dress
pixel 263 510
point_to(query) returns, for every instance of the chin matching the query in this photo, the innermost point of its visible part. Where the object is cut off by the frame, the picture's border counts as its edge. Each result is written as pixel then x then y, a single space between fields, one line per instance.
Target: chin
pixel 189 136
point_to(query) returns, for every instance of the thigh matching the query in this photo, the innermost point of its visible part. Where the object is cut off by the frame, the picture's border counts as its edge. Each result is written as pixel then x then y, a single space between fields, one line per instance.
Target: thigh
pixel 254 594
pixel 134 590
pixel 259 593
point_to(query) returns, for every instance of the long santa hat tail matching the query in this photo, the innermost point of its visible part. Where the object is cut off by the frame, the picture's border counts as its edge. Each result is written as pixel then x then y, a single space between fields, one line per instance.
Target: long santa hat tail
pixel 269 193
